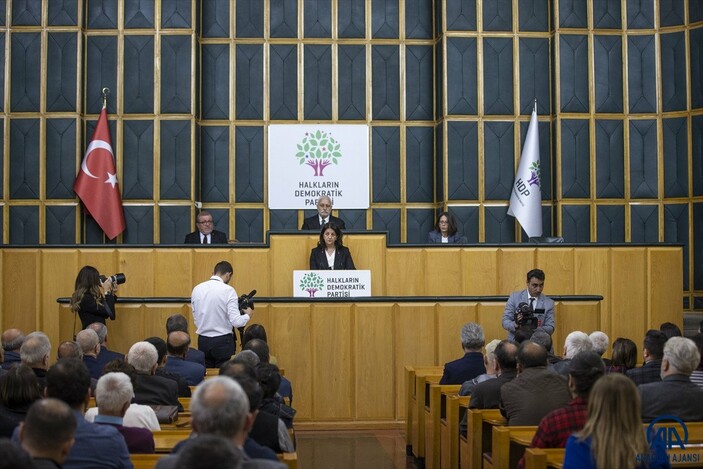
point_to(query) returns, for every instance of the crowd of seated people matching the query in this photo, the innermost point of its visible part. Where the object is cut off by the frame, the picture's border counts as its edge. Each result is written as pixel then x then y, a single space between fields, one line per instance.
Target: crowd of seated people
pixel 556 396
pixel 128 388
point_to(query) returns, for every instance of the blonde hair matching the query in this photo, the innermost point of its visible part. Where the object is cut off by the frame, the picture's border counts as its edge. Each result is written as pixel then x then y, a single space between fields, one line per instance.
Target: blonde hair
pixel 615 423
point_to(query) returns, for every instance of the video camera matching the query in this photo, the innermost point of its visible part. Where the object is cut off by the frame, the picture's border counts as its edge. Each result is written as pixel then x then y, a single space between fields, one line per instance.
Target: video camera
pixel 525 316
pixel 245 301
pixel 117 279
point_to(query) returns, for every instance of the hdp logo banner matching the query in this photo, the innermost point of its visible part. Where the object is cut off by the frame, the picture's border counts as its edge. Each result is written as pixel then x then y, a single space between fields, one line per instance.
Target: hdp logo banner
pixel 331 283
pixel 306 161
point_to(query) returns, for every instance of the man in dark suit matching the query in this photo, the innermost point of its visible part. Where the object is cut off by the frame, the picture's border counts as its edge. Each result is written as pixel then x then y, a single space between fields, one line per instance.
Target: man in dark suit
pixel 105 355
pixel 324 215
pixel 150 389
pixel 178 322
pixel 113 395
pixel 177 344
pixel 471 364
pixel 675 394
pixel 205 234
pixel 47 432
pixel 11 342
pixel 89 343
pixel 652 351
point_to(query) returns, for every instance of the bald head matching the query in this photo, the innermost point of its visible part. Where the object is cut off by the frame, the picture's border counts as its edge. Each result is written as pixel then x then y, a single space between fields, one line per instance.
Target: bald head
pixel 12 340
pixel 70 349
pixel 177 343
pixel 531 354
pixel 88 341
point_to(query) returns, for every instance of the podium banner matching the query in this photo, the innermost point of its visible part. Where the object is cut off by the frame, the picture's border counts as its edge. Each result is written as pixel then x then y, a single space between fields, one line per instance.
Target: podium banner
pixel 331 283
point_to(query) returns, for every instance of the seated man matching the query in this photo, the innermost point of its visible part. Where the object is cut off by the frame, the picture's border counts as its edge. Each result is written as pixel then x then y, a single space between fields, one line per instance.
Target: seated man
pixel 11 342
pixel 205 233
pixel 177 347
pixel 47 432
pixel 576 342
pixel 162 350
pixel 675 395
pixel 261 348
pixel 178 322
pixel 34 353
pixel 471 364
pixel 600 341
pixel 113 396
pixel 105 355
pixel 270 380
pixel 323 215
pixel 150 389
pixel 545 340
pixel 652 351
pixel 489 361
pixel 535 391
pixel 88 340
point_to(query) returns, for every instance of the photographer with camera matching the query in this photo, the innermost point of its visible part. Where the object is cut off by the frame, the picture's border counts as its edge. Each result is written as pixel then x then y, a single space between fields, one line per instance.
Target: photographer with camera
pixel 94 296
pixel 529 308
pixel 216 311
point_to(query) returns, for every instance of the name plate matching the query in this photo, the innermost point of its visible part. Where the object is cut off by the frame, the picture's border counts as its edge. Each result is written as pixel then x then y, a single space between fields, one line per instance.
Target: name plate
pixel 331 283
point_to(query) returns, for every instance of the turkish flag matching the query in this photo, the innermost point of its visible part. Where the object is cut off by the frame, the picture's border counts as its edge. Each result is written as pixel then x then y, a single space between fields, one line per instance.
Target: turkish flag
pixel 96 183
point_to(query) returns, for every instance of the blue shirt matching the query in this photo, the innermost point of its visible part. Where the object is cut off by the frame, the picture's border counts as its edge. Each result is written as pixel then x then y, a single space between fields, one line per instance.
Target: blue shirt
pixel 578 455
pixel 97 446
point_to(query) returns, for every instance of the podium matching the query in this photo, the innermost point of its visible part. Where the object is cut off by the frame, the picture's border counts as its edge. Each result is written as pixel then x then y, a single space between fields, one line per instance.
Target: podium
pixel 331 283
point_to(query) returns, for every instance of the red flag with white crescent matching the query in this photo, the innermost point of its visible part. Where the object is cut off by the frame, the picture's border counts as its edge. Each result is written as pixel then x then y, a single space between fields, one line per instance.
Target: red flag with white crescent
pixel 96 183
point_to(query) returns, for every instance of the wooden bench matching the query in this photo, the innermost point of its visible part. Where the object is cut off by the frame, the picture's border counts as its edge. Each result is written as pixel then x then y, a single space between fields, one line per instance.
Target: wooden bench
pixel 166 440
pixel 509 443
pixel 415 425
pixel 449 429
pixel 185 402
pixel 480 423
pixel 290 459
pixel 145 461
pixel 433 411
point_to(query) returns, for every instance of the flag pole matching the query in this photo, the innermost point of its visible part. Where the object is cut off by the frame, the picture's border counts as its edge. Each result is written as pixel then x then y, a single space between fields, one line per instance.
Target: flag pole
pixel 105 92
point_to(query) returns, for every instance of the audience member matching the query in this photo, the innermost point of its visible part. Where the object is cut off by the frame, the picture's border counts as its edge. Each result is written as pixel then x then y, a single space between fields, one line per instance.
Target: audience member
pixel 150 389
pixel 323 216
pixel 95 445
pixel 137 415
pixel 675 394
pixel 89 342
pixel 13 456
pixel 35 353
pixel 535 391
pixel 47 433
pixel 177 347
pixel 113 396
pixel 556 427
pixel 445 231
pixel 471 364
pixel 697 375
pixel 106 355
pixel 208 452
pixel 257 331
pixel 531 297
pixel 205 232
pixel 613 436
pixel 261 348
pixel 575 342
pixel 270 381
pixel 545 340
pixel 624 356
pixel 670 330
pixel 162 351
pixel 220 407
pixel 489 361
pixel 93 299
pixel 248 357
pixel 652 351
pixel 178 322
pixel 267 430
pixel 69 349
pixel 19 389
pixel 330 253
pixel 600 341
pixel 11 342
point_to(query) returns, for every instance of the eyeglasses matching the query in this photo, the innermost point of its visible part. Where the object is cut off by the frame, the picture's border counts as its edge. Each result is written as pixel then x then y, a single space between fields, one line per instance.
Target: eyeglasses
pixel 205 222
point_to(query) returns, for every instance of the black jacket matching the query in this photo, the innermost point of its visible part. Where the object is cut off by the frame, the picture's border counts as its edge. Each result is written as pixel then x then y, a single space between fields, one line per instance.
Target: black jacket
pixel 216 237
pixel 342 259
pixel 313 223
pixel 90 311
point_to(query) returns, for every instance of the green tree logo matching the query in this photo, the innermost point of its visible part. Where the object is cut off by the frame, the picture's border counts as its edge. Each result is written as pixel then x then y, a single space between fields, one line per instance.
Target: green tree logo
pixel 534 174
pixel 311 283
pixel 318 150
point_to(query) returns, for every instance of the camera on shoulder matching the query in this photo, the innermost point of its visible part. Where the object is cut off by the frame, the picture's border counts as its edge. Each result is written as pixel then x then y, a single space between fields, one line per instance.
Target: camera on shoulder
pixel 246 301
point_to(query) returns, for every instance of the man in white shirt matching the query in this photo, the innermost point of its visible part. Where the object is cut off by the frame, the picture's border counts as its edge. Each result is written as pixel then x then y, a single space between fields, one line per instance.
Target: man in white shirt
pixel 215 312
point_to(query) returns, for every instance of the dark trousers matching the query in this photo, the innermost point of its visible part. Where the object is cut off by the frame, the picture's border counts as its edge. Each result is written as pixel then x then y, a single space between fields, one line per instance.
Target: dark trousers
pixel 217 350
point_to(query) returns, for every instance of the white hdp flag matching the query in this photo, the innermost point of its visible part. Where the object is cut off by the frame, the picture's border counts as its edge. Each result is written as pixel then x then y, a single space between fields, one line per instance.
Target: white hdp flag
pixel 526 197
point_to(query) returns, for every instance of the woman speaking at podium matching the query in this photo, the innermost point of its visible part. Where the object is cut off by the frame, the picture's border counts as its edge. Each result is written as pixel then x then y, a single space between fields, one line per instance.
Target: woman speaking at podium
pixel 330 254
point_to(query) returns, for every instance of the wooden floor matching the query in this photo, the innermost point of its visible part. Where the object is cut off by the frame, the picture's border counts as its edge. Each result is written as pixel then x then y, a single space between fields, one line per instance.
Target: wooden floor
pixel 368 449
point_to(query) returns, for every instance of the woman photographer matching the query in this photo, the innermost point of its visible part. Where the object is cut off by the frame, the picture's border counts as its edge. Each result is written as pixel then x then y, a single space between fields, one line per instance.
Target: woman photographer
pixel 93 298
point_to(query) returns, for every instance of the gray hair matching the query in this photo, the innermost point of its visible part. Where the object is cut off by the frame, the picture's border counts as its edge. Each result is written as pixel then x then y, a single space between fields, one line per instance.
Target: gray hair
pixel 472 337
pixel 682 354
pixel 219 406
pixel 14 343
pixel 142 356
pixel 87 340
pixel 100 329
pixel 35 348
pixel 113 391
pixel 600 341
pixel 543 338
pixel 248 357
pixel 576 342
pixel 491 351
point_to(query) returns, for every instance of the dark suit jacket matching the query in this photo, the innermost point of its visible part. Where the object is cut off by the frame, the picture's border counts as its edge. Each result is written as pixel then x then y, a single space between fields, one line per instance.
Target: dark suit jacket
pixel 647 373
pixel 182 384
pixel 11 358
pixel 313 223
pixel 155 390
pixel 216 237
pixel 675 395
pixel 265 431
pixel 106 356
pixel 192 372
pixel 533 394
pixel 486 395
pixel 195 356
pixel 94 366
pixel 342 259
pixel 435 236
pixel 464 369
